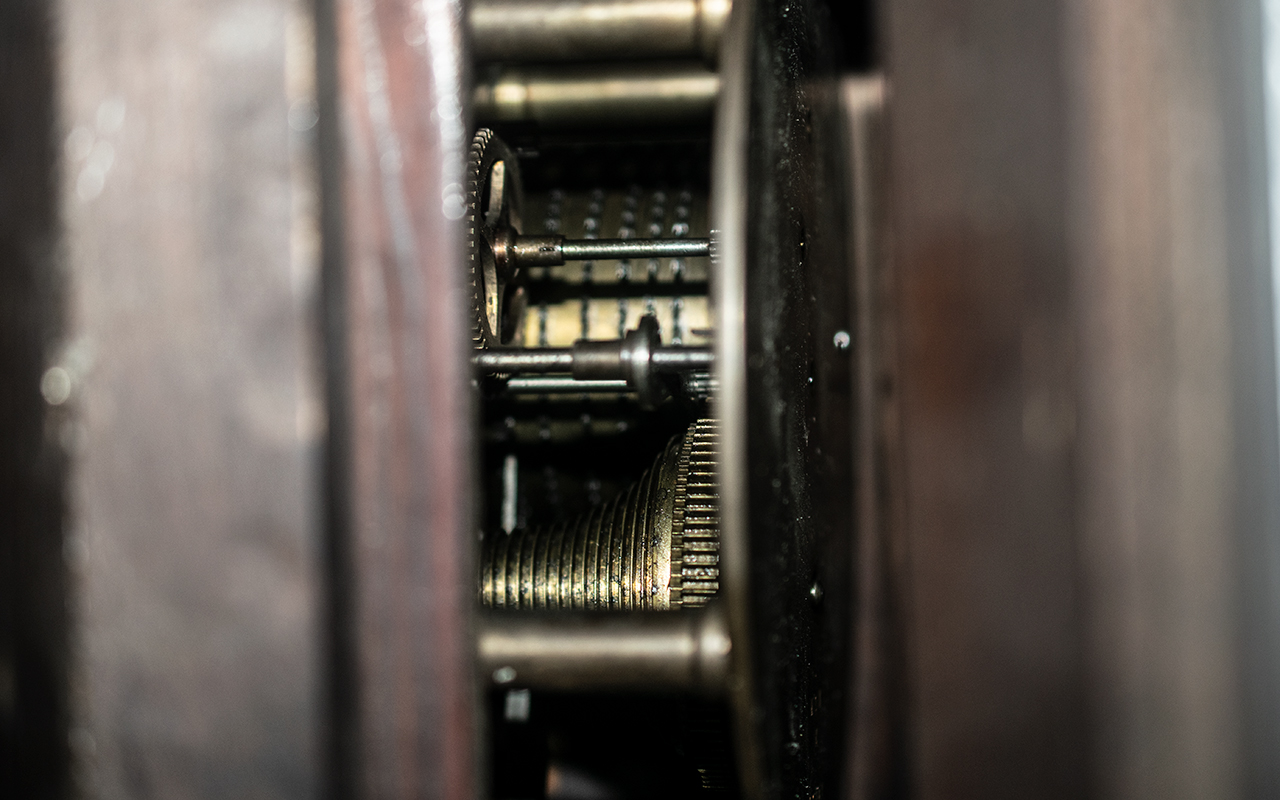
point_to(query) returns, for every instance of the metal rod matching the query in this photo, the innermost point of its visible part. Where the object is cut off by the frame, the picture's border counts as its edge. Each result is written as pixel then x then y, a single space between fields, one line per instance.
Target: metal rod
pixel 552 250
pixel 590 30
pixel 558 384
pixel 603 650
pixel 679 359
pixel 587 249
pixel 547 359
pixel 562 359
pixel 636 359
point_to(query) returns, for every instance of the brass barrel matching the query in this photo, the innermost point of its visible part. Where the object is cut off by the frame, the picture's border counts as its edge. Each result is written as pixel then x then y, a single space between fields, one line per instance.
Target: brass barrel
pixel 655 546
pixel 574 96
pixel 590 30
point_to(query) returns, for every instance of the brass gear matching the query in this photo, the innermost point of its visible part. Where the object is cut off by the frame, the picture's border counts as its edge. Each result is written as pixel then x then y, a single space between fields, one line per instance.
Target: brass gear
pixel 493 209
pixel 655 546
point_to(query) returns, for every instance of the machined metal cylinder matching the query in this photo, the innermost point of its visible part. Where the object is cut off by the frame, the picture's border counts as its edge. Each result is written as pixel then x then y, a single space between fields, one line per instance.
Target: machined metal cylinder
pixel 589 30
pixel 631 94
pixel 655 546
pixel 594 651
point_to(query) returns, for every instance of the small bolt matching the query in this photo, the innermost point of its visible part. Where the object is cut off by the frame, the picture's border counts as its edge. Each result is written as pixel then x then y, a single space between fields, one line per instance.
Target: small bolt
pixel 504 675
pixel 841 340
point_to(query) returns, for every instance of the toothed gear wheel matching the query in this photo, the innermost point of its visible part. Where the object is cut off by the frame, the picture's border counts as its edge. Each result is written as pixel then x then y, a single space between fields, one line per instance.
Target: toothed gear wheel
pixel 655 546
pixel 493 207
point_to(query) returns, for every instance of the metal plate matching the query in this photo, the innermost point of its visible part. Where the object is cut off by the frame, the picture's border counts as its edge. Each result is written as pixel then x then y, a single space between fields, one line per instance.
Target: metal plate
pixel 780 287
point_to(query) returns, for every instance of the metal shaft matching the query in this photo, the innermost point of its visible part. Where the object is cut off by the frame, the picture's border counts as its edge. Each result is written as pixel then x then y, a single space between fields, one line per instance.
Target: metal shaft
pixel 553 250
pixel 556 384
pixel 680 359
pixel 596 30
pixel 643 94
pixel 586 249
pixel 584 652
pixel 637 358
pixel 546 359
pixel 574 360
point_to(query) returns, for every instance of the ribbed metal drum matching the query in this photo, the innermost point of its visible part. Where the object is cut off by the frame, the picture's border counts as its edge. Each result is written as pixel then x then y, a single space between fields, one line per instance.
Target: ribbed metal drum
pixel 655 546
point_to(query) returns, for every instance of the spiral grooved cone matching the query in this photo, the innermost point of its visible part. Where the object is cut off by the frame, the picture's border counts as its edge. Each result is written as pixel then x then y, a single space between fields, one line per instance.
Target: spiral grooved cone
pixel 656 546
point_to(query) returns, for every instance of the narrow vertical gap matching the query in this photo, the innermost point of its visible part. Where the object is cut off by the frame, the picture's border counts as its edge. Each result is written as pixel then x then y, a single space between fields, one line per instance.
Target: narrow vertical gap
pixel 35 755
pixel 341 734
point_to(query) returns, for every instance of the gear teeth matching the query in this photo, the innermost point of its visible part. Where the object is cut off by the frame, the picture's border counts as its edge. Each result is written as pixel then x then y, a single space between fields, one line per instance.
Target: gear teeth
pixel 486 149
pixel 609 557
pixel 475 168
pixel 695 534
